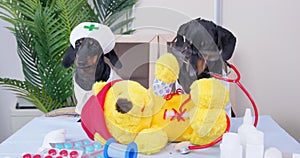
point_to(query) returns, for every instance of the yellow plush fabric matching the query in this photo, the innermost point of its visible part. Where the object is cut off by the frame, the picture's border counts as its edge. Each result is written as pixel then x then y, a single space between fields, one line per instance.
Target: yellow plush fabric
pixel 211 97
pixel 169 125
pixel 152 121
pixel 209 93
pixel 167 68
pixel 97 86
pixel 124 127
pixel 206 119
pixel 134 125
pixel 151 140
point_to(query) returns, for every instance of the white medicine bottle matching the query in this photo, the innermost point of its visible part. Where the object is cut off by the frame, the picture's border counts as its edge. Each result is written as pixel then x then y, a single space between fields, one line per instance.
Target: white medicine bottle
pixel 246 127
pixel 230 146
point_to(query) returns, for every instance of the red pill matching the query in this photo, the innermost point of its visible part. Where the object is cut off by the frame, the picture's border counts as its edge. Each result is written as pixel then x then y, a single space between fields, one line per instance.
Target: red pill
pixel 74 154
pixel 63 153
pixel 37 156
pixel 27 156
pixel 52 152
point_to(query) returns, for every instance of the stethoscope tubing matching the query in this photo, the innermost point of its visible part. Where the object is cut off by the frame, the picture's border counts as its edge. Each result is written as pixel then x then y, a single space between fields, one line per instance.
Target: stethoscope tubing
pixel 237 81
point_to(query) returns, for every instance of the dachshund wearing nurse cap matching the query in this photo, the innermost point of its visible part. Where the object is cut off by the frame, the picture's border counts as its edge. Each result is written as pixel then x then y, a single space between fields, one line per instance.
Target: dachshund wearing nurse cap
pixel 91 43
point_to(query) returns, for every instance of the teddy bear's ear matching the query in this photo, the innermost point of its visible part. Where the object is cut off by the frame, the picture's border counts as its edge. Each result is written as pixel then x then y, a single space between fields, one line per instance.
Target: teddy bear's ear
pixel 97 86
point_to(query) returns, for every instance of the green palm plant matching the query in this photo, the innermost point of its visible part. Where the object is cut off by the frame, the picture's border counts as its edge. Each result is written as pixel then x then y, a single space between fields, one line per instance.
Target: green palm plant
pixel 42 29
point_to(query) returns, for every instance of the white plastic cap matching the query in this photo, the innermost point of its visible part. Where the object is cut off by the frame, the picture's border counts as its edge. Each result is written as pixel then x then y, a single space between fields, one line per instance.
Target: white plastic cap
pixel 230 146
pixel 246 128
pixel 247 117
pixel 99 32
pixel 231 139
pixel 272 153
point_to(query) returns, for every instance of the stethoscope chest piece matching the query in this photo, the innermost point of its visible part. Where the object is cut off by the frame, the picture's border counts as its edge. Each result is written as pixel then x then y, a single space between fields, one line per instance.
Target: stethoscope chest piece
pixel 182 147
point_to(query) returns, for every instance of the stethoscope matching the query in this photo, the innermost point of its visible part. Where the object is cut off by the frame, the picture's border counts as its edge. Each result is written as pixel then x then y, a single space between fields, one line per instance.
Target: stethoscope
pixel 187 149
pixel 237 81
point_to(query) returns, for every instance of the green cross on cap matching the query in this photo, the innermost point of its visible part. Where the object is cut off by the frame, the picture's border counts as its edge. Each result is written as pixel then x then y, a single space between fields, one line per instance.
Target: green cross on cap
pixel 91 27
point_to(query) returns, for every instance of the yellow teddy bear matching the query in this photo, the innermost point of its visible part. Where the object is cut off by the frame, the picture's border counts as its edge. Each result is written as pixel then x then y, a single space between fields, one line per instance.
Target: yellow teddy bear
pixel 198 117
pixel 132 113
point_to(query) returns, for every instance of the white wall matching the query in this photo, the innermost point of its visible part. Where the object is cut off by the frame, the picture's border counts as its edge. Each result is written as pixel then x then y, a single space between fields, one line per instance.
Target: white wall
pixel 165 16
pixel 10 67
pixel 267 55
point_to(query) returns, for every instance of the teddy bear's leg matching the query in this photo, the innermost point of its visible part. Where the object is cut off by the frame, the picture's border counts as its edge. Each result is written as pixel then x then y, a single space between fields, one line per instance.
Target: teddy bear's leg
pixel 207 129
pixel 151 140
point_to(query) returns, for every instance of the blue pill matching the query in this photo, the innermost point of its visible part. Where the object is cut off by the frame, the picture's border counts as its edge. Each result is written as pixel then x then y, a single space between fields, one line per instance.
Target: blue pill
pixel 89 149
pixel 97 146
pixel 80 149
pixel 86 141
pixel 58 146
pixel 77 144
pixel 68 146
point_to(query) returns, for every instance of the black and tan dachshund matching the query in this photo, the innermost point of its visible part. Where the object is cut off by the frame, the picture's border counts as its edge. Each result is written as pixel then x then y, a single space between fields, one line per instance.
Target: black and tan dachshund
pixel 90 65
pixel 202 47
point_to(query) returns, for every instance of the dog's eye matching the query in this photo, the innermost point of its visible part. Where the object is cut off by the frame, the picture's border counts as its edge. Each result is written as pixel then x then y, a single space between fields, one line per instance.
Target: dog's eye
pixel 91 42
pixel 78 43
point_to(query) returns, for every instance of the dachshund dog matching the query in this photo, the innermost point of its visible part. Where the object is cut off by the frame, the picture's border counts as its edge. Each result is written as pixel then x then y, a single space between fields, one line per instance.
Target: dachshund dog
pixel 201 47
pixel 90 66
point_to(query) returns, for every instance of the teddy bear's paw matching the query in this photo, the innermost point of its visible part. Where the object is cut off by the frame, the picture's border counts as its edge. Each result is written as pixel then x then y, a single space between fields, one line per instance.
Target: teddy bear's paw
pixel 167 68
pixel 151 140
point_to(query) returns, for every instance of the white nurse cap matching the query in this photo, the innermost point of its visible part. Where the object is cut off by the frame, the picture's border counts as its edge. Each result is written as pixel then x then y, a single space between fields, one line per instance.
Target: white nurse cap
pixel 99 32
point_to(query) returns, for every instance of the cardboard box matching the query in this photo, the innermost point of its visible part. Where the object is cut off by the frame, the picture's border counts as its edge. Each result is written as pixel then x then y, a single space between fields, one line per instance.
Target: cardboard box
pixel 137 54
pixel 164 43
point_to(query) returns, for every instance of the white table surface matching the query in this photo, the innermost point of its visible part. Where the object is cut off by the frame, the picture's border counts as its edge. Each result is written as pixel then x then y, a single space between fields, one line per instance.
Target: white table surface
pixel 30 137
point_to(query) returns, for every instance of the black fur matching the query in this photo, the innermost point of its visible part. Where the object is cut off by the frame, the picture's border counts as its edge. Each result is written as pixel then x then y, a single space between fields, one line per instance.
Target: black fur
pixel 192 40
pixel 89 60
pixel 223 38
pixel 69 58
pixel 112 56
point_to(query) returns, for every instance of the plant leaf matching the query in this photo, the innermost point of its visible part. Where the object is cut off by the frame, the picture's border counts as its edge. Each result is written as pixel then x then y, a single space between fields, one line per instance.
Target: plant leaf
pixel 110 11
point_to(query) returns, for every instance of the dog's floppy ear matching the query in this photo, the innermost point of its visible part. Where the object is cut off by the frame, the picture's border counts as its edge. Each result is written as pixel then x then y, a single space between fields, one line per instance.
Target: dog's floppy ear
pixel 179 41
pixel 114 59
pixel 226 42
pixel 69 58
